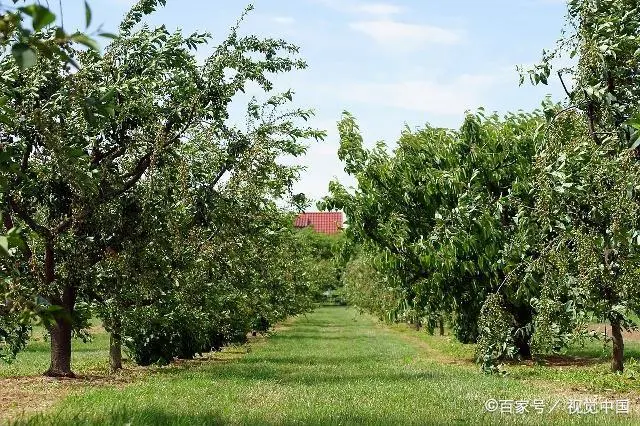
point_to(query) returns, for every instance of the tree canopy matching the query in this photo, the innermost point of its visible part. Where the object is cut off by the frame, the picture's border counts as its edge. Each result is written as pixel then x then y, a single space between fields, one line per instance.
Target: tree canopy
pixel 128 191
pixel 522 228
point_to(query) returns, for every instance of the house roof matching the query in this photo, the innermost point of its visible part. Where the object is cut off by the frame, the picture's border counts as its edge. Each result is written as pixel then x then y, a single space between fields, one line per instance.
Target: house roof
pixel 325 222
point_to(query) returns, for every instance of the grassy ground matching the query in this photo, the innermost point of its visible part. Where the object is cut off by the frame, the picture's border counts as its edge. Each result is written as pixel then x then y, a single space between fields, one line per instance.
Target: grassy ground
pixel 330 367
pixel 584 368
pixel 88 358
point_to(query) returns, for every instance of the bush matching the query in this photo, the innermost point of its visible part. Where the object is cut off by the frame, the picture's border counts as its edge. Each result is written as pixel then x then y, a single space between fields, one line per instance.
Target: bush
pixel 155 337
pixel 495 341
pixel 14 333
pixel 368 289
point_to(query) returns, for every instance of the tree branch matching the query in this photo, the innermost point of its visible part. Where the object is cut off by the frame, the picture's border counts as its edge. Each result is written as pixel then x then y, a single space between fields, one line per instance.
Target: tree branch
pixel 570 95
pixel 25 157
pixel 39 229
pixel 63 226
pixel 135 175
pixel 592 118
pixel 99 156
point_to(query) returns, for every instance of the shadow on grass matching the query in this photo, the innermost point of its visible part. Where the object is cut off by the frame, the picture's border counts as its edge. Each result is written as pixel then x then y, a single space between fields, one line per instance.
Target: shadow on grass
pixel 598 351
pixel 312 360
pixel 318 336
pixel 566 361
pixel 78 346
pixel 148 416
pixel 124 417
pixel 294 375
pixel 589 355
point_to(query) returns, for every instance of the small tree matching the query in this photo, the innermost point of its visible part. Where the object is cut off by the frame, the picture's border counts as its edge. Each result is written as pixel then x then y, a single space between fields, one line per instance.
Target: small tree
pixel 25 45
pixel 437 214
pixel 588 168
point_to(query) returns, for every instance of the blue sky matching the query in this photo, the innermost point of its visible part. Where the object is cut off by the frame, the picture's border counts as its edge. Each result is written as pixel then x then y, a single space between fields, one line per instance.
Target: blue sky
pixel 389 63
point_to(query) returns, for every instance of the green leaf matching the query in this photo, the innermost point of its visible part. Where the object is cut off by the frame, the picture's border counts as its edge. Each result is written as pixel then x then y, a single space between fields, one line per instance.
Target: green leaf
pixel 15 239
pixel 40 16
pixel 634 121
pixel 85 40
pixel 60 34
pixel 75 152
pixel 4 245
pixel 108 95
pixel 635 138
pixel 87 14
pixel 24 55
pixel 108 35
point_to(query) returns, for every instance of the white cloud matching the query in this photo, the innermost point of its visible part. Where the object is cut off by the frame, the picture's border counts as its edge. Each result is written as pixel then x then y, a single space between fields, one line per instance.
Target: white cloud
pixel 465 92
pixel 374 9
pixel 383 9
pixel 284 20
pixel 404 35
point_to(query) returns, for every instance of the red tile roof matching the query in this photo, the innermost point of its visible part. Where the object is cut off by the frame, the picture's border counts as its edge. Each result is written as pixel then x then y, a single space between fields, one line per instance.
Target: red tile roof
pixel 325 222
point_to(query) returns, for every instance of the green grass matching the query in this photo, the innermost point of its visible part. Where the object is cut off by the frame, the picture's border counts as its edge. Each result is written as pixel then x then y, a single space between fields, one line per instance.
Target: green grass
pixel 330 367
pixel 89 357
pixel 584 367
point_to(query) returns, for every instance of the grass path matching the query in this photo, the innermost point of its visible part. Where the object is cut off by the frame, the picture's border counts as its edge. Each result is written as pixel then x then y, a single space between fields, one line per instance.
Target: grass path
pixel 330 367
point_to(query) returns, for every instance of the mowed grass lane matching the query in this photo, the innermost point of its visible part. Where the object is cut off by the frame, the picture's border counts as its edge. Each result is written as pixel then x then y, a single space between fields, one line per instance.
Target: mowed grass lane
pixel 330 367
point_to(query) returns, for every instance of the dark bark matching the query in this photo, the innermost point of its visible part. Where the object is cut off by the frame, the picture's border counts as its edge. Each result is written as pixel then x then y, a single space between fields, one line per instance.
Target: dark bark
pixel 441 326
pixel 49 265
pixel 115 352
pixel 8 221
pixel 417 324
pixel 115 346
pixel 524 348
pixel 30 221
pixel 591 114
pixel 564 86
pixel 617 357
pixel 60 349
pixel 523 315
pixel 60 331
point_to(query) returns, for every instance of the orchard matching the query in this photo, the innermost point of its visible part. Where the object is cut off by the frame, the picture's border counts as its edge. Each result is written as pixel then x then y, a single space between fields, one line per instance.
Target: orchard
pixel 149 239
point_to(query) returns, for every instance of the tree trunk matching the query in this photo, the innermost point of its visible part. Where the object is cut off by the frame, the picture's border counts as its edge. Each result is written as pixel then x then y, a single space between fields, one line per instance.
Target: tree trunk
pixel 617 358
pixel 60 349
pixel 523 346
pixel 441 326
pixel 60 332
pixel 417 324
pixel 115 352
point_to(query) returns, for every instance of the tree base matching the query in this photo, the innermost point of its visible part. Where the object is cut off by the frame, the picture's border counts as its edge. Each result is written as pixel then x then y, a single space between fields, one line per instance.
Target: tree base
pixel 59 374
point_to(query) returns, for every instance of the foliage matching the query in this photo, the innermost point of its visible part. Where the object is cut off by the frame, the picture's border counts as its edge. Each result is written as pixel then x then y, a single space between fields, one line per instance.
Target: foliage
pixel 366 288
pixel 138 197
pixel 44 38
pixel 438 214
pixel 221 265
pixel 14 333
pixel 26 46
pixel 588 170
pixel 324 264
pixel 496 334
pixel 525 226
